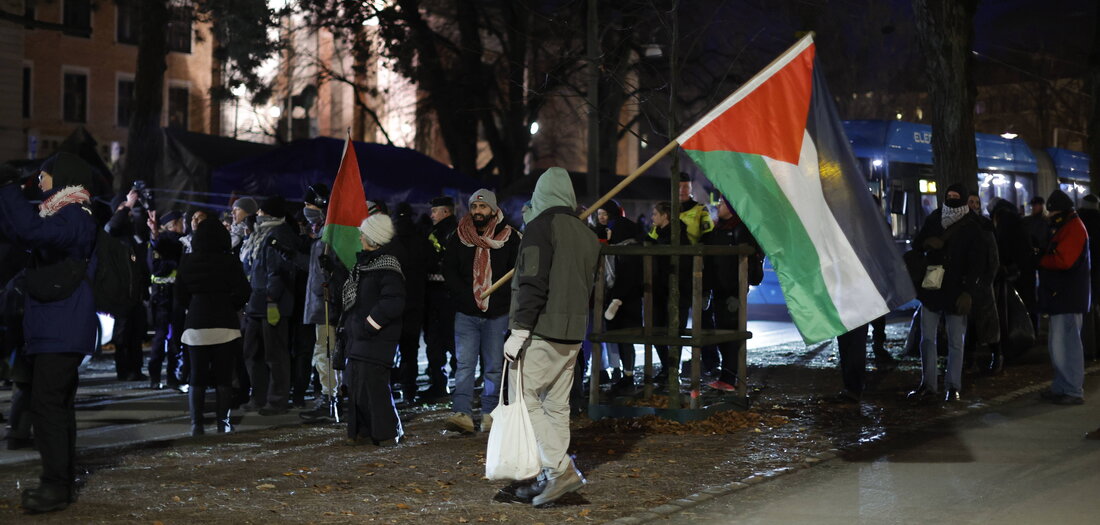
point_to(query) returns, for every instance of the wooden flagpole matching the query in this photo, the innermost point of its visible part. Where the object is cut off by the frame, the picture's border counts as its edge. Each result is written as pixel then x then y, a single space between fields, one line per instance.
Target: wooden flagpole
pixel 596 205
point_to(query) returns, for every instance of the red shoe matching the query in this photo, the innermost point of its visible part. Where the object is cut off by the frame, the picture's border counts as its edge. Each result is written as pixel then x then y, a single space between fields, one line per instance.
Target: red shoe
pixel 722 385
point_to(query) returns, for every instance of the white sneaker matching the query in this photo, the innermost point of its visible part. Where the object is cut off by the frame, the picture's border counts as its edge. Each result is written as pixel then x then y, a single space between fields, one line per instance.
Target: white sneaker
pixel 460 422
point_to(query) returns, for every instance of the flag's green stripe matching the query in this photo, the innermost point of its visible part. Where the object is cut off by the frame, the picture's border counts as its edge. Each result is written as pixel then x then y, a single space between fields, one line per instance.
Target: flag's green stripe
pixel 344 241
pixel 750 186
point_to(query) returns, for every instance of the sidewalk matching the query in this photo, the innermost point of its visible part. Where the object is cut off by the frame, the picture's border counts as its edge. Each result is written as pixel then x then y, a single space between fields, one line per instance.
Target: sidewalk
pixel 1024 462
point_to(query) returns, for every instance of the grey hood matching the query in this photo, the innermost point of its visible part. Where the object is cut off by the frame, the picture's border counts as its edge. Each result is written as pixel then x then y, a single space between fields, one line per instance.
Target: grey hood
pixel 553 189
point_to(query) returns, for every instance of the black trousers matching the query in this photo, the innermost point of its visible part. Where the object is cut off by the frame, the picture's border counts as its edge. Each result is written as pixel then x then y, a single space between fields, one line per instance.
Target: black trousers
pixel 878 335
pixel 629 316
pixel 53 392
pixel 212 365
pixel 371 413
pixel 128 338
pixel 852 348
pixel 167 330
pixel 303 337
pixel 723 357
pixel 267 356
pixel 661 322
pixel 409 351
pixel 439 334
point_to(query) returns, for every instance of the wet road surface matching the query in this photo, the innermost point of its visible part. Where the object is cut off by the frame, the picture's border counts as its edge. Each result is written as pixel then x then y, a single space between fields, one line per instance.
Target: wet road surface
pixel 1023 462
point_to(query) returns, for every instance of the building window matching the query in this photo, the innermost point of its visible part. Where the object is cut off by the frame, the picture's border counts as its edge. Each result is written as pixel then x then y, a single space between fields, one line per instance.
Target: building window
pixel 179 26
pixel 77 17
pixel 178 107
pixel 26 92
pixel 125 97
pixel 128 22
pixel 75 99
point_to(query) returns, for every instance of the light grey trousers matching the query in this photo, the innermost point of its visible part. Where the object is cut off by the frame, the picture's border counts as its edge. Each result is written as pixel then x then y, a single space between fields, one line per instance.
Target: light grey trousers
pixel 547 379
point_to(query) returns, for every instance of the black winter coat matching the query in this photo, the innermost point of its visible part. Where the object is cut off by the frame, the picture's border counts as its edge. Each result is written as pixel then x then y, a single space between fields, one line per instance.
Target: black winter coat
pixel 380 296
pixel 628 284
pixel 1091 220
pixel 720 271
pixel 458 272
pixel 662 266
pixel 416 252
pixel 211 283
pixel 963 257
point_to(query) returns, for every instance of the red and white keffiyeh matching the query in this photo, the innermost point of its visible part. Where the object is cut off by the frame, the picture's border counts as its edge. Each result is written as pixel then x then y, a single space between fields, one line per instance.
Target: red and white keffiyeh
pixel 483 268
pixel 64 197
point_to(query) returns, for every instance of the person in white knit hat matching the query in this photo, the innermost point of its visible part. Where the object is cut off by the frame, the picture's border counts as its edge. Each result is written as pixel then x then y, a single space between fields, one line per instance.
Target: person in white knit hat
pixel 373 300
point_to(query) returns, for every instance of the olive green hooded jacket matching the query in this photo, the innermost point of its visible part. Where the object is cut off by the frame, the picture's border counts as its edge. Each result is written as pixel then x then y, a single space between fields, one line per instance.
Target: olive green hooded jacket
pixel 556 267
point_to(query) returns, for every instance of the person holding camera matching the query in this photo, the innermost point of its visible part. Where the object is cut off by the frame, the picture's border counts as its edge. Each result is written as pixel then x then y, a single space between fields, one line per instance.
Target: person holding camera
pixel 165 251
pixel 128 224
pixel 60 232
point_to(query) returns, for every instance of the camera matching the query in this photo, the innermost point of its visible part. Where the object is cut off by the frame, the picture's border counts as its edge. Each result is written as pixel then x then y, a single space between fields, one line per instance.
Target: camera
pixel 145 195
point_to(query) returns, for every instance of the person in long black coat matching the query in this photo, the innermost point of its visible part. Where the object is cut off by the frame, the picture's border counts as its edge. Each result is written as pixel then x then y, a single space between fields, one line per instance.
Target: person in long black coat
pixel 213 288
pixel 374 300
pixel 624 293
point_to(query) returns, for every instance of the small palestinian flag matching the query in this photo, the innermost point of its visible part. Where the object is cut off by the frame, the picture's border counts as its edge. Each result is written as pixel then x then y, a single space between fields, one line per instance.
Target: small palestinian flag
pixel 347 208
pixel 776 149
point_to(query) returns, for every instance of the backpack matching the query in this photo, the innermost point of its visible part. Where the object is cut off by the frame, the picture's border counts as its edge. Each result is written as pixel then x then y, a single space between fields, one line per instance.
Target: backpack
pixel 115 285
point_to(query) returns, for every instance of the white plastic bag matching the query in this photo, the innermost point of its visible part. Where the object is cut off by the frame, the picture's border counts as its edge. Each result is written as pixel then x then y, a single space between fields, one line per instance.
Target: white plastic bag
pixel 933 277
pixel 512 453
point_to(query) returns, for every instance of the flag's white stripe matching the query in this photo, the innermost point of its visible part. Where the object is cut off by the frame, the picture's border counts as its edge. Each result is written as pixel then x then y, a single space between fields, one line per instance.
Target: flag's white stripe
pixel 856 298
pixel 748 87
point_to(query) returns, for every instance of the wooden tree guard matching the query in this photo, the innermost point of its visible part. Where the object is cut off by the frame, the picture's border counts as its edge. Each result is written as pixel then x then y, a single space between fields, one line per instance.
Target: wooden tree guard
pixel 696 337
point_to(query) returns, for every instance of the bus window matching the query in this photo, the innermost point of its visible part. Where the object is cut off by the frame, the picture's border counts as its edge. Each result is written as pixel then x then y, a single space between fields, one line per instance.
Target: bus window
pixel 1025 190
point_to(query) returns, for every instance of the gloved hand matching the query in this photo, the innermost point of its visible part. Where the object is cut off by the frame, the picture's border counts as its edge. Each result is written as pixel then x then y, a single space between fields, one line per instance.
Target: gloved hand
pixel 612 309
pixel 963 304
pixel 933 243
pixel 283 250
pixel 515 343
pixel 272 314
pixel 733 304
pixel 325 261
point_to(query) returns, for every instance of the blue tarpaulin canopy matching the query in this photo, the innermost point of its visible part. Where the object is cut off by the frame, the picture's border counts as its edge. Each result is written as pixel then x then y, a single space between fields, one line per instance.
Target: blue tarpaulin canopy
pixel 1070 165
pixel 390 174
pixel 897 141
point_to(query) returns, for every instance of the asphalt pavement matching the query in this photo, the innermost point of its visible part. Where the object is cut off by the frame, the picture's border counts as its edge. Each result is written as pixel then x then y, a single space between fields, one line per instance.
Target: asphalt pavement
pixel 1024 462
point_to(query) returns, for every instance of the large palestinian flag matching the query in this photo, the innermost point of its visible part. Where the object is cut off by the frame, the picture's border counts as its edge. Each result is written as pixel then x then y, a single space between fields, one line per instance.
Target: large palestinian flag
pixel 347 207
pixel 776 149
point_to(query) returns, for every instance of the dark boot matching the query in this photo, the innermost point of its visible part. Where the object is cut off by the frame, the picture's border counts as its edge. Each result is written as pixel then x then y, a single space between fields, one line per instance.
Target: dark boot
pixel 997 363
pixel 48 498
pixel 197 399
pixel 224 402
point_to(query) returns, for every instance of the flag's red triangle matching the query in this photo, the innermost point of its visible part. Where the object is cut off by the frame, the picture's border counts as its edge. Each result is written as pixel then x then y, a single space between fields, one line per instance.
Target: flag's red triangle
pixel 769 121
pixel 348 203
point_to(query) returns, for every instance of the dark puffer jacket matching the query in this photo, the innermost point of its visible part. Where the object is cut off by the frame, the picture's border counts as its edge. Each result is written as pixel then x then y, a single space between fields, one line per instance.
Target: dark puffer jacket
pixel 211 283
pixel 271 274
pixel 380 296
pixel 70 324
pixel 963 257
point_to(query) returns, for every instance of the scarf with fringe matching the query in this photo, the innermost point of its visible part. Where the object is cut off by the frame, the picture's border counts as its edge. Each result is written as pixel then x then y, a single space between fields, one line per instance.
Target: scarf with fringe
pixel 64 197
pixel 483 267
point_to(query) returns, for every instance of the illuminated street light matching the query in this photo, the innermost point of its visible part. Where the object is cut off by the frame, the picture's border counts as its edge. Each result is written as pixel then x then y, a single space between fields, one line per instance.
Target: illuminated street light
pixel 534 127
pixel 1009 135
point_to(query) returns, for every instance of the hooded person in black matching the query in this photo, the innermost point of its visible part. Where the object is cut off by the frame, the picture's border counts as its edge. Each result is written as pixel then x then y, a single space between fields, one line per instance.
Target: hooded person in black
pixel 212 287
pixel 165 250
pixel 417 251
pixel 624 288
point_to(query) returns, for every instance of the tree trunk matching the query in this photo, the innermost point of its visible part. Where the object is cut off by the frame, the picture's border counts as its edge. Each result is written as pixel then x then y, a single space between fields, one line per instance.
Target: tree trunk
pixel 945 32
pixel 1093 148
pixel 143 146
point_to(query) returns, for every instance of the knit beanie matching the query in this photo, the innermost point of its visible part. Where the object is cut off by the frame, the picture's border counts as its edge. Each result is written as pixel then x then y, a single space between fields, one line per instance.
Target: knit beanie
pixel 248 204
pixel 378 229
pixel 486 196
pixel 274 206
pixel 68 169
pixel 1059 201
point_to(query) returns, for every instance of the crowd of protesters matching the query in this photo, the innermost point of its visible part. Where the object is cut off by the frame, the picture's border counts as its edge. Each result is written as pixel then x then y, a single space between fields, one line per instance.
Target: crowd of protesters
pixel 254 304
